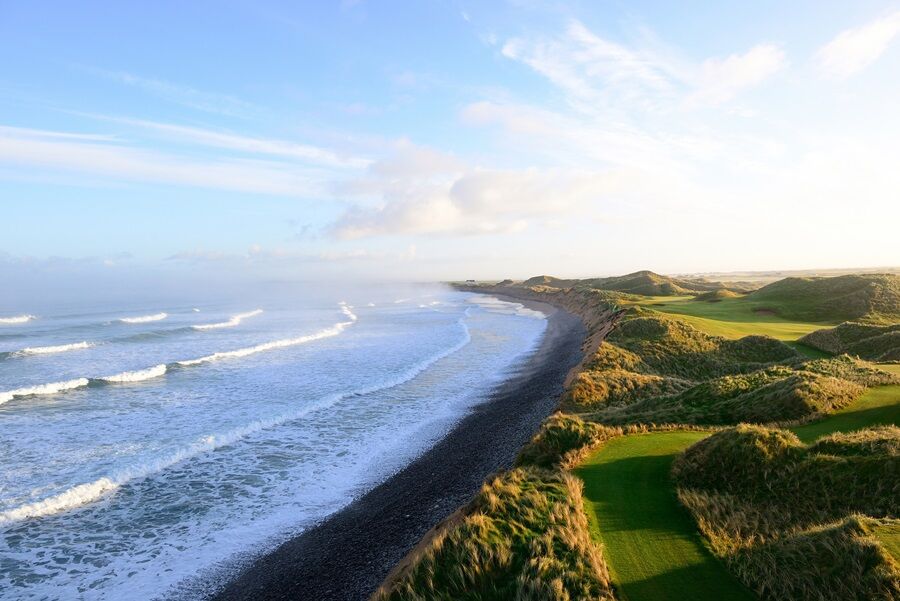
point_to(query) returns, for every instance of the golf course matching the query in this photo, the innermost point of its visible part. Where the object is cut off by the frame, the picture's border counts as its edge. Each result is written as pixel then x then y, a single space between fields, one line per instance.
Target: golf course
pixel 721 443
pixel 651 543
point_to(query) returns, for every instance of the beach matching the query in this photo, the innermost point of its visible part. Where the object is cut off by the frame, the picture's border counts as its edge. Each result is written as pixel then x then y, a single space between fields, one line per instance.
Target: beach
pixel 349 554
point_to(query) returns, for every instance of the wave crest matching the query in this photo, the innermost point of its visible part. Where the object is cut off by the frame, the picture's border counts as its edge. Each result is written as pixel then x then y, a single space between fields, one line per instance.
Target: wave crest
pixel 275 344
pixel 83 494
pixel 17 319
pixel 144 318
pixel 42 389
pixel 135 376
pixel 60 348
pixel 233 321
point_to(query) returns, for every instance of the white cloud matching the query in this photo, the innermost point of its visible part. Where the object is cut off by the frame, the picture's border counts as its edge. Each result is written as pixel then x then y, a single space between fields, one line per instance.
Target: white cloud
pixel 597 74
pixel 722 79
pixel 60 151
pixel 247 144
pixel 855 49
pixel 450 198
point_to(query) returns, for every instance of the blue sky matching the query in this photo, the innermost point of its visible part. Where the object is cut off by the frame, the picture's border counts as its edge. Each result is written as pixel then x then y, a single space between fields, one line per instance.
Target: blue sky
pixel 430 140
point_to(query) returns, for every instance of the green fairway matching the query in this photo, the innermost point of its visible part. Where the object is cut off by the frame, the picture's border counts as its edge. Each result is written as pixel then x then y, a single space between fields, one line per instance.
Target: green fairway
pixel 651 543
pixel 649 539
pixel 877 407
pixel 733 318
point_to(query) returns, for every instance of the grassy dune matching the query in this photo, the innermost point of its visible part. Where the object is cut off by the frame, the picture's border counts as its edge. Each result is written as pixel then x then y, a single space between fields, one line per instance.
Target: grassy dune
pixel 695 357
pixel 651 544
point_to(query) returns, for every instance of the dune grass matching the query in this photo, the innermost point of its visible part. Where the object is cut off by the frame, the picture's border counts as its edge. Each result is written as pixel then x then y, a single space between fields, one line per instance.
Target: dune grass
pixel 652 545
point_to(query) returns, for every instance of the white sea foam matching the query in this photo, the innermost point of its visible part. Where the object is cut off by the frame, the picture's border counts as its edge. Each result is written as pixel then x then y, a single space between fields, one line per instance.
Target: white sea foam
pixel 135 376
pixel 233 321
pixel 43 389
pixel 495 305
pixel 16 320
pixel 276 344
pixel 46 350
pixel 144 318
pixel 89 492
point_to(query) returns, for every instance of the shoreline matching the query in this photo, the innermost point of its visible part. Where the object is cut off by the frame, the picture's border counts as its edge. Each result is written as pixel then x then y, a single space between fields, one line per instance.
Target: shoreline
pixel 349 554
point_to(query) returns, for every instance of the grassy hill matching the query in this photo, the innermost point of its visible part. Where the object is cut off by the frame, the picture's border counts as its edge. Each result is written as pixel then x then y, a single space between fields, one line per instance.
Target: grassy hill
pixel 675 362
pixel 797 521
pixel 873 298
pixel 647 283
pixel 870 342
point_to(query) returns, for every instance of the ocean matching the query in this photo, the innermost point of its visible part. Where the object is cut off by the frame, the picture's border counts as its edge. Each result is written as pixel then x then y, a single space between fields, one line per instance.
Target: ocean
pixel 147 449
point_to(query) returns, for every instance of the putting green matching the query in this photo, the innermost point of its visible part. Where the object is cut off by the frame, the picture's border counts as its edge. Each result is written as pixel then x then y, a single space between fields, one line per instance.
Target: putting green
pixel 650 542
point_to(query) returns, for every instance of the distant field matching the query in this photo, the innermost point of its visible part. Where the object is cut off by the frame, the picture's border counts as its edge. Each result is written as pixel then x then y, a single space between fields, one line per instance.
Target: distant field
pixel 732 318
pixel 651 543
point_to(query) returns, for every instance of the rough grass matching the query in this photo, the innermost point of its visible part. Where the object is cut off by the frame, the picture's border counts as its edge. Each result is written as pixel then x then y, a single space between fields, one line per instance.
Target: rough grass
pixel 797 521
pixel 647 283
pixel 873 298
pixel 769 395
pixel 870 342
pixel 715 296
pixel 667 375
pixel 524 537
pixel 563 440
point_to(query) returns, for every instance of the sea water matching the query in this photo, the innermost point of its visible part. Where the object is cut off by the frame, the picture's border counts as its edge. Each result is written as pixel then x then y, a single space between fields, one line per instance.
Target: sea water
pixel 148 449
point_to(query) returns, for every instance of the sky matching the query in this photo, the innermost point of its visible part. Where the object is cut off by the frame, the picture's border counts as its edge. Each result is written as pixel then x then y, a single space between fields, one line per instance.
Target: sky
pixel 439 140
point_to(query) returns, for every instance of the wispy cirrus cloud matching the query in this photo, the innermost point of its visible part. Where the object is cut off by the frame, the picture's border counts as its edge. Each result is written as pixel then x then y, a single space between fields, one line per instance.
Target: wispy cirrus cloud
pixel 596 73
pixel 246 144
pixel 854 49
pixel 98 155
pixel 209 102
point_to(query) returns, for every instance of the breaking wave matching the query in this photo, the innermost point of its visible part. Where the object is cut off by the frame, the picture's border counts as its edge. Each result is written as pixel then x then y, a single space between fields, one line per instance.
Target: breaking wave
pixel 60 348
pixel 286 342
pixel 144 318
pixel 89 492
pixel 135 376
pixel 233 321
pixel 17 319
pixel 43 389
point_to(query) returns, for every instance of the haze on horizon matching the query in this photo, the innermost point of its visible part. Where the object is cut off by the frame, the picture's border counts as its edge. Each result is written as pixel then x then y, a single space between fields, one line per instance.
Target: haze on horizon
pixel 446 140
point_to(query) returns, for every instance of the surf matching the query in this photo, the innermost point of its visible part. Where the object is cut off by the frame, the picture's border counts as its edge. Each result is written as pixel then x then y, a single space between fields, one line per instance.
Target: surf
pixel 235 320
pixel 43 389
pixel 144 318
pixel 16 320
pixel 90 492
pixel 48 350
